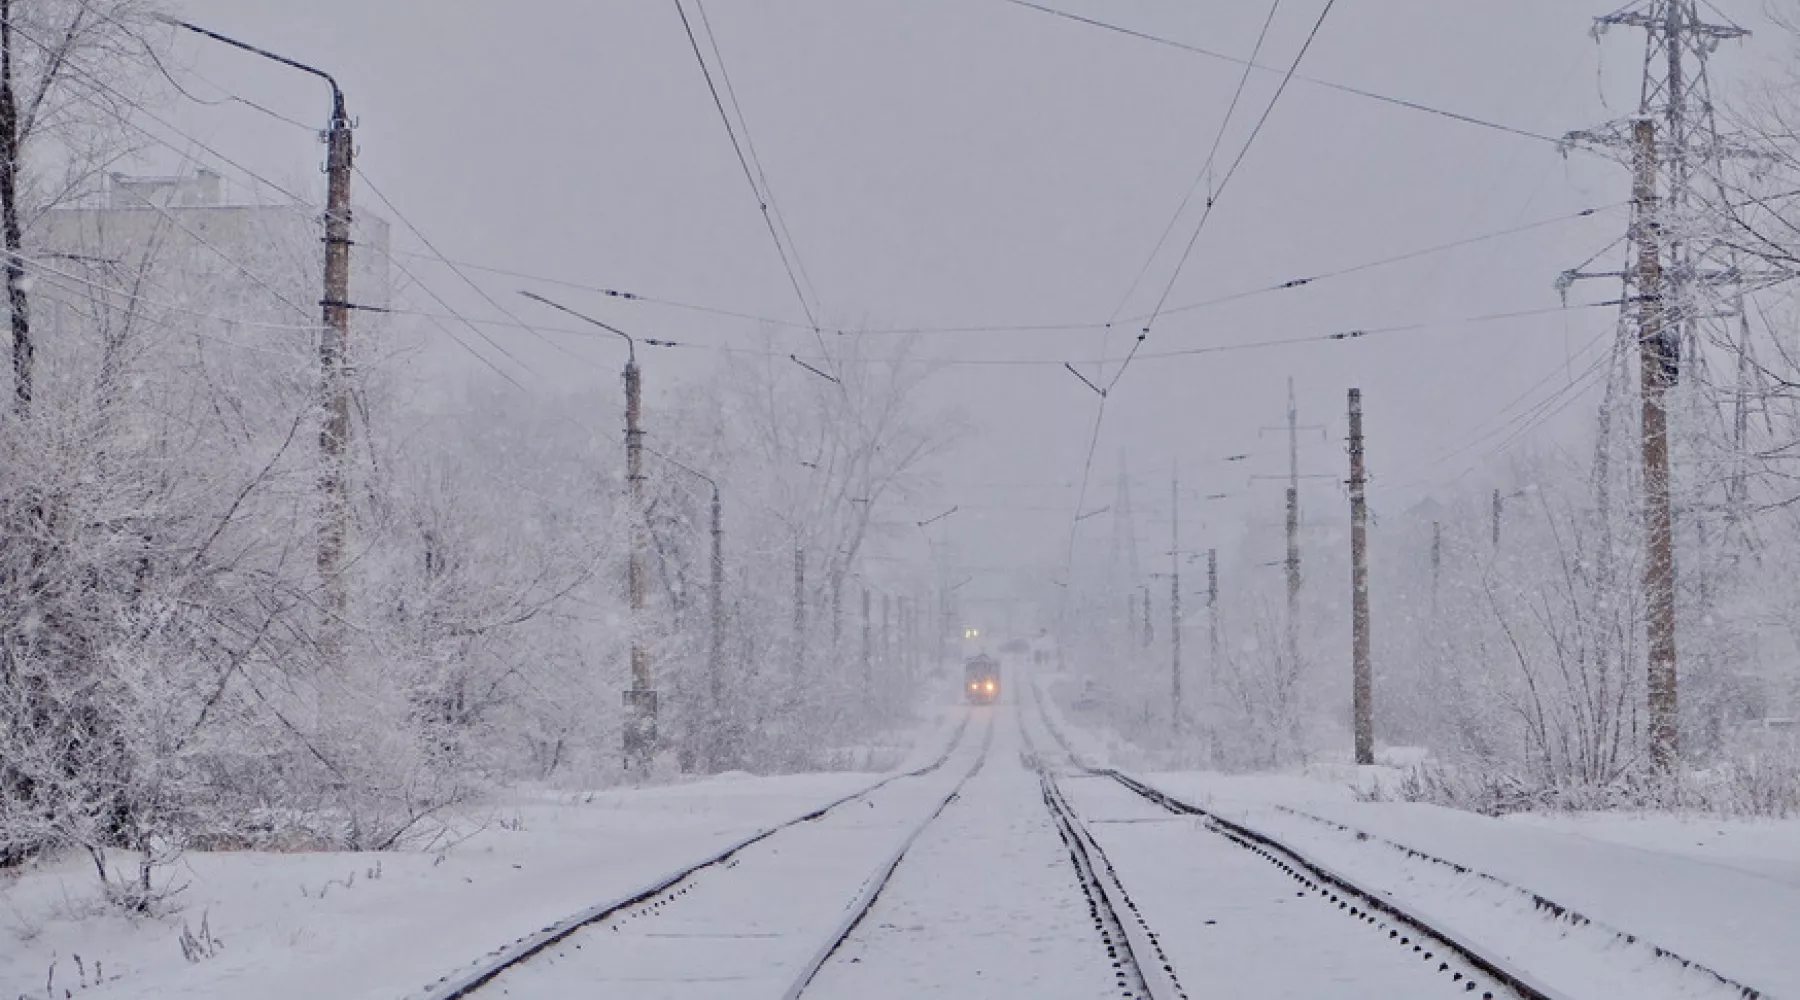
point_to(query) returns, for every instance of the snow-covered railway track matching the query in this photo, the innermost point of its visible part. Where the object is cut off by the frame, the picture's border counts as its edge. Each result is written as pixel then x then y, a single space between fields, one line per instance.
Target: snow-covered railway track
pixel 1465 967
pixel 1469 966
pixel 872 889
pixel 1140 966
pixel 475 980
pixel 1538 902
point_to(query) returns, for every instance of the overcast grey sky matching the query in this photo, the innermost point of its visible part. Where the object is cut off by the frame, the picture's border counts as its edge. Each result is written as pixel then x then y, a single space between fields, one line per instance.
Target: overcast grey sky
pixel 971 162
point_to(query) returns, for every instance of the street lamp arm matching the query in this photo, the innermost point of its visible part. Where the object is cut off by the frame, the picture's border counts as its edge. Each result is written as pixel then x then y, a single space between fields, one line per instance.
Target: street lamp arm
pixel 535 297
pixel 337 94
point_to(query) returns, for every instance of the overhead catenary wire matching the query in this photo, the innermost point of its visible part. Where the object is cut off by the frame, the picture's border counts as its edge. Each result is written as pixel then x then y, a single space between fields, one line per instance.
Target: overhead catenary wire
pixel 1353 334
pixel 1402 258
pixel 651 299
pixel 474 325
pixel 1291 284
pixel 1225 182
pixel 765 200
pixel 1211 202
pixel 762 175
pixel 1315 81
pixel 1206 166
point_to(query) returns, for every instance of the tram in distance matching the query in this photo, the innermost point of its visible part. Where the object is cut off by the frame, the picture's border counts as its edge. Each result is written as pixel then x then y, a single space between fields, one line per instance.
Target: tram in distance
pixel 981 680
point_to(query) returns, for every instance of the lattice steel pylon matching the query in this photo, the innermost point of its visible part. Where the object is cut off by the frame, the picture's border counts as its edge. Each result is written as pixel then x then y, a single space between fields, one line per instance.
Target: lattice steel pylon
pixel 1702 277
pixel 1684 292
pixel 1704 280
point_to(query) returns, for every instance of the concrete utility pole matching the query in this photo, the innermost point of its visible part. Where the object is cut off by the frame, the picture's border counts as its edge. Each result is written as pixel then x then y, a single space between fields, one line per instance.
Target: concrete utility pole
pixel 334 350
pixel 1657 364
pixel 715 660
pixel 799 620
pixel 903 612
pixel 1363 696
pixel 640 699
pixel 1175 603
pixel 1293 575
pixel 943 597
pixel 837 620
pixel 1437 561
pixel 1133 635
pixel 334 341
pixel 1293 429
pixel 887 635
pixel 868 648
pixel 1212 601
pixel 1149 629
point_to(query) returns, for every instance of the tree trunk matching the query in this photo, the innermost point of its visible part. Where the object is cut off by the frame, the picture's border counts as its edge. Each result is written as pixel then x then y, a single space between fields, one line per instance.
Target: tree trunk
pixel 9 217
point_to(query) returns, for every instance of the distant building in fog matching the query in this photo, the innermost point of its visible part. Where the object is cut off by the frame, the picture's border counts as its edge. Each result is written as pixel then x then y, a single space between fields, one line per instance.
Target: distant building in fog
pixel 195 249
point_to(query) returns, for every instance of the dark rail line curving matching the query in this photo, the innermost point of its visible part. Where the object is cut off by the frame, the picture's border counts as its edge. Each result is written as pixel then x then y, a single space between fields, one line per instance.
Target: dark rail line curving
pixel 883 875
pixel 466 984
pixel 1405 928
pixel 1541 903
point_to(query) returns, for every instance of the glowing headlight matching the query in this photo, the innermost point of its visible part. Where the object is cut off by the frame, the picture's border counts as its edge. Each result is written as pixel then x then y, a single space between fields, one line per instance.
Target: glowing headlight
pixel 990 687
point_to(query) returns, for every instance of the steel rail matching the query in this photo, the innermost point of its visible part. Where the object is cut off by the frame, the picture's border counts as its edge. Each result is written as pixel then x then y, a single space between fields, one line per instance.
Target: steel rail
pixel 458 986
pixel 1406 926
pixel 1539 902
pixel 883 875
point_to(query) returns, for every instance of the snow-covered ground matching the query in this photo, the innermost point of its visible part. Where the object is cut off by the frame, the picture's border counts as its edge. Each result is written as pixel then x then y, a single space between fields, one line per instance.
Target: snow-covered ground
pixel 985 903
pixel 386 925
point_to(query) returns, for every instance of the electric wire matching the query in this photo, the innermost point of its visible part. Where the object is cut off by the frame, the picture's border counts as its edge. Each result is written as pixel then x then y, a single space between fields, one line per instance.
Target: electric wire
pixel 1504 420
pixel 1001 328
pixel 1402 258
pixel 1316 81
pixel 227 98
pixel 1211 202
pixel 426 241
pixel 75 67
pixel 68 281
pixel 1243 153
pixel 712 40
pixel 459 266
pixel 58 282
pixel 37 264
pixel 763 199
pixel 1206 166
pixel 1355 334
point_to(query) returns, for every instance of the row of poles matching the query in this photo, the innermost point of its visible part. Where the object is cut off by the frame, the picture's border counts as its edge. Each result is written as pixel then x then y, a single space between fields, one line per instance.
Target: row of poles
pixel 1361 659
pixel 640 737
pixel 1657 367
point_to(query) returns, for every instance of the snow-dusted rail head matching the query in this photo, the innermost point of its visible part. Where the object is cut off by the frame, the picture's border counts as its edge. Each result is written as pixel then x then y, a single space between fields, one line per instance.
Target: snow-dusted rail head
pixel 1405 928
pixel 872 888
pixel 1466 967
pixel 1140 966
pixel 1495 889
pixel 472 980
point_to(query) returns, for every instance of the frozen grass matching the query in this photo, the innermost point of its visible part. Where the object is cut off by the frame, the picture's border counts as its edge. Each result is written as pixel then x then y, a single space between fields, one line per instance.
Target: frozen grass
pixel 1765 786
